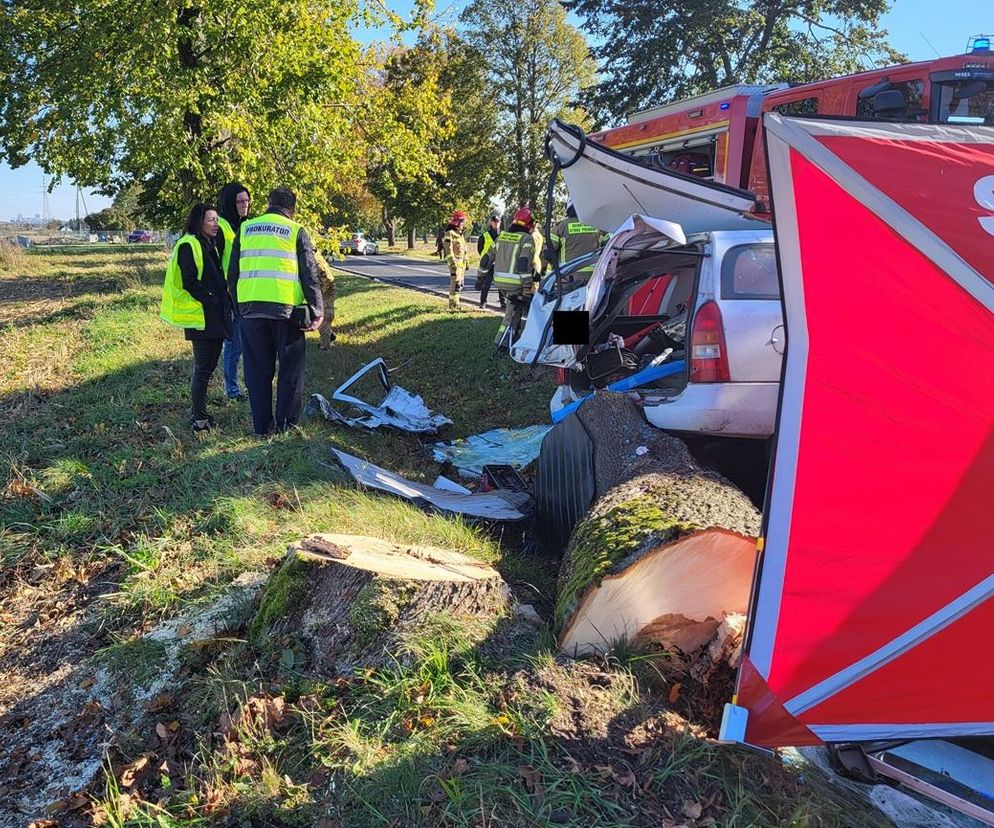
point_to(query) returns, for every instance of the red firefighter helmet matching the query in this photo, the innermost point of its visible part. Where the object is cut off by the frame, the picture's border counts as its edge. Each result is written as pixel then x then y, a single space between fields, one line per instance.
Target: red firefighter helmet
pixel 524 217
pixel 459 215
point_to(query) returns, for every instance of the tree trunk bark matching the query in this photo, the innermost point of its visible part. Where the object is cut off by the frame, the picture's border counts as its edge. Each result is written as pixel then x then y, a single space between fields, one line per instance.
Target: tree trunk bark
pixel 410 237
pixel 388 225
pixel 354 601
pixel 665 553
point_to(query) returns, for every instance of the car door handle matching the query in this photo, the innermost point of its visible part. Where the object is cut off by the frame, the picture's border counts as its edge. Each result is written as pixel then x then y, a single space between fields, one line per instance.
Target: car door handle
pixel 776 338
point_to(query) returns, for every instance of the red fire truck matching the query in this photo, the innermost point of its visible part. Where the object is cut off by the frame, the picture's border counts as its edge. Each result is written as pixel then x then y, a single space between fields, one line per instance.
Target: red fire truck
pixel 718 136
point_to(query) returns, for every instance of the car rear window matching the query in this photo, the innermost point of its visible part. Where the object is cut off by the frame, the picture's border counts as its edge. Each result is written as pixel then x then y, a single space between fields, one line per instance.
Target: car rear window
pixel 750 272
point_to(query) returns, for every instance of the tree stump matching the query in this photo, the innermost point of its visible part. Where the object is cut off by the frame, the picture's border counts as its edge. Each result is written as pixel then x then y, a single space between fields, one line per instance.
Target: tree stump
pixel 664 556
pixel 353 600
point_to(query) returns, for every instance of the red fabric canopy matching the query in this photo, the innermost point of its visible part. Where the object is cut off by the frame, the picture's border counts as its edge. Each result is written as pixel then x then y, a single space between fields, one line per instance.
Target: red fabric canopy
pixel 876 584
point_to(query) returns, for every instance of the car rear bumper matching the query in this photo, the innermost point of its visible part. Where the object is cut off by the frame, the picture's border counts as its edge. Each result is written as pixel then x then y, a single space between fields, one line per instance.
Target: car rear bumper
pixel 730 409
pixel 736 409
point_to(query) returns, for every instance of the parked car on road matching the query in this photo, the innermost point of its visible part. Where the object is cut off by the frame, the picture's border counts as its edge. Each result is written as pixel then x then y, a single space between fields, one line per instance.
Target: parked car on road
pixel 140 236
pixel 359 244
pixel 710 307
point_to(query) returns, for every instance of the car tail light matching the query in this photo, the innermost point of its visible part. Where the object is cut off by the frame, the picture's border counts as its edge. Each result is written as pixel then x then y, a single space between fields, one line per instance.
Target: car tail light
pixel 562 376
pixel 708 354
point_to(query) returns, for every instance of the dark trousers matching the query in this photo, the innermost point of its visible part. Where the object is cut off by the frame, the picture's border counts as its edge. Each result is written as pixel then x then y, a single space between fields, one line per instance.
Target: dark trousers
pixel 264 343
pixel 486 280
pixel 205 356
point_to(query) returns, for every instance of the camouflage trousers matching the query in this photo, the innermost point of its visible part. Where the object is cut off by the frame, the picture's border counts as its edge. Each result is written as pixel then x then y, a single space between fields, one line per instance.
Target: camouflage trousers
pixel 324 329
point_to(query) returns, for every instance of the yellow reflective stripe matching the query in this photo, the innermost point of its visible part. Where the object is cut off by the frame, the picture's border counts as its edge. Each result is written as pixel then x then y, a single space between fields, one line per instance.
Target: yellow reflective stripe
pixel 267 274
pixel 268 261
pixel 576 228
pixel 276 254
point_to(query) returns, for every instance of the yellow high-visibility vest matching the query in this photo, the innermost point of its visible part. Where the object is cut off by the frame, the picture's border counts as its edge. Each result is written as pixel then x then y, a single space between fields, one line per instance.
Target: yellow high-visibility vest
pixel 179 308
pixel 229 241
pixel 488 242
pixel 575 239
pixel 513 248
pixel 267 261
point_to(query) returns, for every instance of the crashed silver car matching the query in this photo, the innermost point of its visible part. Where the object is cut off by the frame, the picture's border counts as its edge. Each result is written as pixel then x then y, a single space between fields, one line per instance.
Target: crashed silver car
pixel 692 324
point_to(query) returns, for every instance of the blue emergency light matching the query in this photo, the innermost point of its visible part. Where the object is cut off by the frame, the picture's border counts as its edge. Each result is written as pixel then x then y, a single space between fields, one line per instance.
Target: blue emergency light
pixel 979 43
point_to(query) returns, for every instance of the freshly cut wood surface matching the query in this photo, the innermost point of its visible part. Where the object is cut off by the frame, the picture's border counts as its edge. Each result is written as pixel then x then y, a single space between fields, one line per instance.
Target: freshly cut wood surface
pixel 661 558
pixel 352 599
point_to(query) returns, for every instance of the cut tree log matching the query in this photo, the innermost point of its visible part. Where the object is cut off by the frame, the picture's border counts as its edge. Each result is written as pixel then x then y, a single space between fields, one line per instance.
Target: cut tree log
pixel 664 556
pixel 354 601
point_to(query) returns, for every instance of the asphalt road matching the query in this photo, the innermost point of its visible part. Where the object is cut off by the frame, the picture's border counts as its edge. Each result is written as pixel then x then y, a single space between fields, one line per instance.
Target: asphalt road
pixel 430 277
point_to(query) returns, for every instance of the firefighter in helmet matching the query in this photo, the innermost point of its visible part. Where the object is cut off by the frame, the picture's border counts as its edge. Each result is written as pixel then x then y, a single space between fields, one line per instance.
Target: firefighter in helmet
pixel 455 248
pixel 517 270
pixel 571 239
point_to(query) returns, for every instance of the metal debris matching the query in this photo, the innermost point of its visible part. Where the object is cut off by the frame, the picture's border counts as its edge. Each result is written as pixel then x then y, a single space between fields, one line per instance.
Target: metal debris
pixel 399 409
pixel 496 505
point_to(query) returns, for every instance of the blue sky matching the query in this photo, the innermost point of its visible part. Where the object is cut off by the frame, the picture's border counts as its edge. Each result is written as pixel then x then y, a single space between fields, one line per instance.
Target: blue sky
pixel 947 25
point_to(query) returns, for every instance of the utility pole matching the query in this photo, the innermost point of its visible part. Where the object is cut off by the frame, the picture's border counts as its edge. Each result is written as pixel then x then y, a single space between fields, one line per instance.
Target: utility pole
pixel 46 212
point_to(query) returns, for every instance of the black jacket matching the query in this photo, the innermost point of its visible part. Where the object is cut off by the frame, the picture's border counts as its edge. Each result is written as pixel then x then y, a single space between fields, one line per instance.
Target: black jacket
pixel 479 241
pixel 210 291
pixel 228 210
pixel 307 270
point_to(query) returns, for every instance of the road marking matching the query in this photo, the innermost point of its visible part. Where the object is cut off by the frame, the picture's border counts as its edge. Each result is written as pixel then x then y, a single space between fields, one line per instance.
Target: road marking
pixel 422 269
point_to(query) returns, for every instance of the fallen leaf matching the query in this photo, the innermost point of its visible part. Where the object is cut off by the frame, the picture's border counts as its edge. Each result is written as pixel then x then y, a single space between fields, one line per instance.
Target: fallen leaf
pixel 183 630
pixel 87 683
pixel 133 772
pixel 173 726
pixel 159 703
pixel 533 782
pixel 245 767
pixel 627 780
pixel 459 767
pixel 692 810
pixel 161 731
pixel 73 802
pixel 675 692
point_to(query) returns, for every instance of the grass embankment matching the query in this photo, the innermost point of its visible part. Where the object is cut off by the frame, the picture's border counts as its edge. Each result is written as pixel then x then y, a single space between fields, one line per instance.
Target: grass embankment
pixel 105 481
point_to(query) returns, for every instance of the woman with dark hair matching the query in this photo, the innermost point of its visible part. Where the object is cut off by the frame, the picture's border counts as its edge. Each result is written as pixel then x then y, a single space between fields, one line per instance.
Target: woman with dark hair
pixel 233 206
pixel 195 298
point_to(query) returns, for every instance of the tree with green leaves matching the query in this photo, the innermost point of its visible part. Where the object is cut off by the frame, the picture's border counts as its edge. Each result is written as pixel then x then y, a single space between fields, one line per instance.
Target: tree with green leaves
pixel 654 51
pixel 538 64
pixel 440 150
pixel 181 97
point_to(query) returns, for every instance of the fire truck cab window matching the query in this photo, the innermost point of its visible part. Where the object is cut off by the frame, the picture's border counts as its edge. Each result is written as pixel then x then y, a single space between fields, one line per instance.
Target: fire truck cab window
pixel 697 161
pixel 965 102
pixel 805 106
pixel 896 102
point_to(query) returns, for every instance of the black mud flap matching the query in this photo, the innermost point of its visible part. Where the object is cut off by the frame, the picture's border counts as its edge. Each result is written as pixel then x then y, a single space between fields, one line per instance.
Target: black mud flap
pixel 564 482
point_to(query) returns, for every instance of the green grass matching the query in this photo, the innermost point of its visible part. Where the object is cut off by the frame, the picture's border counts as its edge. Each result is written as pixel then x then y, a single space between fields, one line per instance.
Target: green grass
pixel 470 728
pixel 100 458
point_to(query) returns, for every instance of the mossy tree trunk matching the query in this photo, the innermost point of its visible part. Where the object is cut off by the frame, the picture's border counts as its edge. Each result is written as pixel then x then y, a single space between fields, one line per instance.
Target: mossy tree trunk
pixel 663 556
pixel 351 600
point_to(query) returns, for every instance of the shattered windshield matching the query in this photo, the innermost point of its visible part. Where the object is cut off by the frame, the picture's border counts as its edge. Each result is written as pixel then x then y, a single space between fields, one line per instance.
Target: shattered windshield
pixel 966 102
pixel 574 274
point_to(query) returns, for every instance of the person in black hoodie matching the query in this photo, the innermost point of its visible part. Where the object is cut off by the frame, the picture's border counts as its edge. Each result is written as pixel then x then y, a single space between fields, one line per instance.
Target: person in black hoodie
pixel 207 285
pixel 233 206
